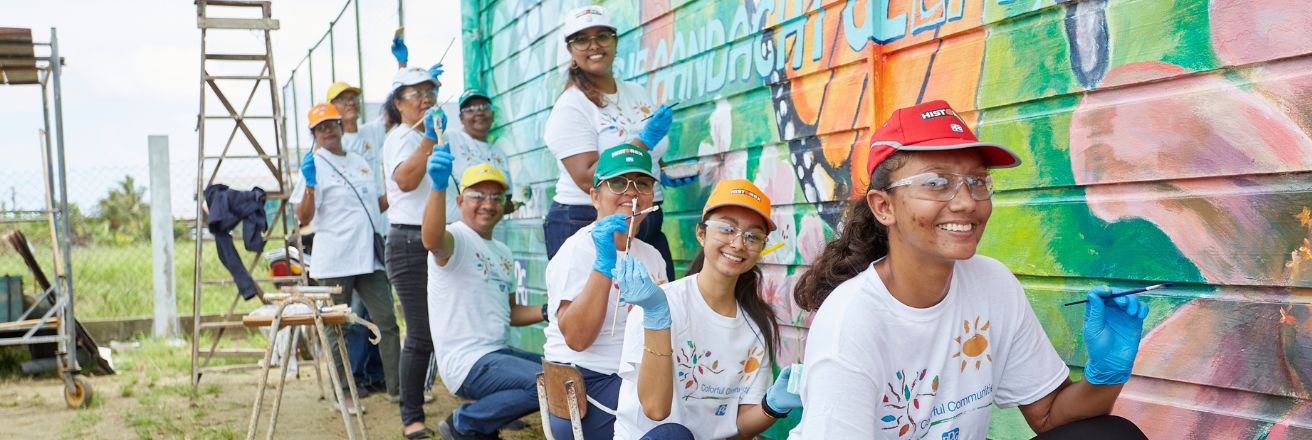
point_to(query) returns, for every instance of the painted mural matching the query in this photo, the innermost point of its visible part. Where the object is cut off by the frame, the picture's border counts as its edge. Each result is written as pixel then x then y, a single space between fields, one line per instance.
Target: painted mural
pixel 1163 140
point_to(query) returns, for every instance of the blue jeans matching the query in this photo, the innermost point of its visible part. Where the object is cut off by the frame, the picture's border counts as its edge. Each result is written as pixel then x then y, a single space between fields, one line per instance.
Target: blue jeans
pixel 604 388
pixel 564 221
pixel 503 387
pixel 668 431
pixel 366 363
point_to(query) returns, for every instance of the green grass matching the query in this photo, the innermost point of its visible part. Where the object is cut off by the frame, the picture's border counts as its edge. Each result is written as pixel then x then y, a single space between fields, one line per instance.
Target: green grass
pixel 116 281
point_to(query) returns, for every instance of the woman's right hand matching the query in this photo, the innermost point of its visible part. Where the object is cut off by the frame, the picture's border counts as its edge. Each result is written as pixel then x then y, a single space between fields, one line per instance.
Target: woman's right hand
pixel 657 127
pixel 603 237
pixel 637 288
pixel 439 167
pixel 308 171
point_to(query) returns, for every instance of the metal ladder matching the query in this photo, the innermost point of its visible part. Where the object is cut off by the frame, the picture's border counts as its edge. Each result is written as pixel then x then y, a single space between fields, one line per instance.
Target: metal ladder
pixel 209 165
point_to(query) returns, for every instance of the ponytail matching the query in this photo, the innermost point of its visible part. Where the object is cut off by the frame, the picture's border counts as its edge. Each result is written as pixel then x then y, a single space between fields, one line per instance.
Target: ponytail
pixel 578 79
pixel 745 292
pixel 863 240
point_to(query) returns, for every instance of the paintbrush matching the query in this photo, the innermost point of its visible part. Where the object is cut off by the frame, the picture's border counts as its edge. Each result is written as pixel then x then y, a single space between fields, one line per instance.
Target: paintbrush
pixel 772 248
pixel 628 241
pixel 646 211
pixel 671 106
pixel 1127 292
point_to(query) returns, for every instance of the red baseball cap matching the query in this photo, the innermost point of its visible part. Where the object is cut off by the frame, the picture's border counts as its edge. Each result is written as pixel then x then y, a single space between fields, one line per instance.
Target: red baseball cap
pixel 932 126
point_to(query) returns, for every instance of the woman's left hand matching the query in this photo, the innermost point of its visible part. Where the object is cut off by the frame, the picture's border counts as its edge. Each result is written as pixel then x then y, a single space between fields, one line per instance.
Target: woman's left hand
pixel 637 288
pixel 436 71
pixel 431 125
pixel 1112 328
pixel 778 398
pixel 670 182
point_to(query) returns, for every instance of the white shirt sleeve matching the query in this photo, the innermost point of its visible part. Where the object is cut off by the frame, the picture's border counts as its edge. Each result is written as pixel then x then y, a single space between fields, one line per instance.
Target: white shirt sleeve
pixel 852 416
pixel 570 127
pixel 395 151
pixel 1031 367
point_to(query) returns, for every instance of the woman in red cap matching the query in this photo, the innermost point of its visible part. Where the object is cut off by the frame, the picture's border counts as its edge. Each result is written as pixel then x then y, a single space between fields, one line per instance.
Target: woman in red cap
pixel 916 336
pixel 699 351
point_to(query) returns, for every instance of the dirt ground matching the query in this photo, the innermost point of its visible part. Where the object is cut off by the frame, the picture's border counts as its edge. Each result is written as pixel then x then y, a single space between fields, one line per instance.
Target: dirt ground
pixel 151 398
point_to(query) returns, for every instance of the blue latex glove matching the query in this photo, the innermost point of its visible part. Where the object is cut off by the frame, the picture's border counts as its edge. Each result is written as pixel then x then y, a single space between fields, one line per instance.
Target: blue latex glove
pixel 668 182
pixel 399 50
pixel 439 166
pixel 657 127
pixel 778 397
pixel 308 171
pixel 603 237
pixel 435 71
pixel 434 121
pixel 637 288
pixel 1112 328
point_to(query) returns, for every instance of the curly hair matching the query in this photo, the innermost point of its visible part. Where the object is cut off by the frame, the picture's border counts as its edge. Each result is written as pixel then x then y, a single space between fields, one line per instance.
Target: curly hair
pixel 862 241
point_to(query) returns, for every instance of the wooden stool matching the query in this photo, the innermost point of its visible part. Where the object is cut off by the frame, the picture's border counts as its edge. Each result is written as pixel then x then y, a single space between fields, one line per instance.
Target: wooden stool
pixel 317 320
pixel 562 394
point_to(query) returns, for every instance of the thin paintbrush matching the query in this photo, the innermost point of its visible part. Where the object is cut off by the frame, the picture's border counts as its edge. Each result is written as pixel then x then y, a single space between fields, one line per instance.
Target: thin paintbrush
pixel 1127 292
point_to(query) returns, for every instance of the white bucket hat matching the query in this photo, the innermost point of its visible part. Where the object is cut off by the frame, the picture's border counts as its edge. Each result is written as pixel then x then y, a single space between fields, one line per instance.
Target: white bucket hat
pixel 410 76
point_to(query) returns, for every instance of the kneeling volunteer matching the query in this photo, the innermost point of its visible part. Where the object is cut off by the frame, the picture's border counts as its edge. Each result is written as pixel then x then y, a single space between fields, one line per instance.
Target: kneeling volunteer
pixel 471 285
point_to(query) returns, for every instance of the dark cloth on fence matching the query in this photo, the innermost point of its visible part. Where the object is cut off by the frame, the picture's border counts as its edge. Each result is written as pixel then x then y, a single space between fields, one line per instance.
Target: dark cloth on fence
pixel 227 208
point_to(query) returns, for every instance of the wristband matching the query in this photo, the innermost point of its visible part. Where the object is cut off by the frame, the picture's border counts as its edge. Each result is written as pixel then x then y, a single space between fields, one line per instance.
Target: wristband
pixel 544 314
pixel 765 406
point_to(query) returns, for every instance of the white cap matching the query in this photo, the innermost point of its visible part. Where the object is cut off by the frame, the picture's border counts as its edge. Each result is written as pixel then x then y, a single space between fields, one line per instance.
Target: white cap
pixel 410 76
pixel 585 17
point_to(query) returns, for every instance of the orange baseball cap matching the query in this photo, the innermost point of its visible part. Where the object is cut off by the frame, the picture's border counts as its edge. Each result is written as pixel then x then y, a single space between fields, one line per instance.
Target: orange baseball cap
pixel 739 192
pixel 322 112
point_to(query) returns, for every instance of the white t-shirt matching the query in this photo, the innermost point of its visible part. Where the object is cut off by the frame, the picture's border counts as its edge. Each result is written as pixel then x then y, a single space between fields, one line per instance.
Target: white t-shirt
pixel 469 152
pixel 469 303
pixel 576 125
pixel 343 239
pixel 719 363
pixel 877 368
pixel 367 141
pixel 404 207
pixel 566 276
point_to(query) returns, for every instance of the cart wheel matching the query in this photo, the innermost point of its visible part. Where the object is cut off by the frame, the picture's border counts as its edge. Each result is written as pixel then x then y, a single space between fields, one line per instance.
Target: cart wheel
pixel 80 396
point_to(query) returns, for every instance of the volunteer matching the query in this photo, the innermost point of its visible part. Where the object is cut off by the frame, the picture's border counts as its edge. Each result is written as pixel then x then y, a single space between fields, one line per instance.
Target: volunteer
pixel 471 303
pixel 598 111
pixel 699 351
pixel 414 91
pixel 586 328
pixel 917 336
pixel 344 206
pixel 470 145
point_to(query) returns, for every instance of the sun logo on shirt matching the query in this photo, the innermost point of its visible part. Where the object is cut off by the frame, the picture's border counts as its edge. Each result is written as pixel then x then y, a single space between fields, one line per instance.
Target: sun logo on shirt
pixel 972 344
pixel 751 364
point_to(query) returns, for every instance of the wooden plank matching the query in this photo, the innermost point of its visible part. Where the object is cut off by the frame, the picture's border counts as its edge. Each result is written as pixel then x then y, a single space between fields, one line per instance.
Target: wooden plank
pixel 52 322
pixel 235 57
pixel 237 3
pixel 329 318
pixel 267 24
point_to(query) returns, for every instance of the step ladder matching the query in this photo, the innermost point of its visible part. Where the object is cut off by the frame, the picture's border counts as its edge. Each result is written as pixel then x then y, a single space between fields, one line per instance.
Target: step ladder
pixel 262 141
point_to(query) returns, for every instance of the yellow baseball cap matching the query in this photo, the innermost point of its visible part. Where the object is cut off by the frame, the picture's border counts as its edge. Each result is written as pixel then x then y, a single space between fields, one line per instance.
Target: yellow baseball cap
pixel 322 112
pixel 480 173
pixel 338 87
pixel 739 192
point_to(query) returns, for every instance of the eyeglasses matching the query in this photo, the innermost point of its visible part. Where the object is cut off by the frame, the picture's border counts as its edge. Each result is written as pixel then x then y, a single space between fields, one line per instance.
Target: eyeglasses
pixel 431 94
pixel 618 185
pixel 343 100
pixel 603 40
pixel 497 199
pixel 726 233
pixel 327 126
pixel 477 108
pixel 942 187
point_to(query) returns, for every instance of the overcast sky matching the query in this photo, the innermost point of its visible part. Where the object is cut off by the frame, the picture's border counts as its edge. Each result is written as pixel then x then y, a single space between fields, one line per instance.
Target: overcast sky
pixel 132 70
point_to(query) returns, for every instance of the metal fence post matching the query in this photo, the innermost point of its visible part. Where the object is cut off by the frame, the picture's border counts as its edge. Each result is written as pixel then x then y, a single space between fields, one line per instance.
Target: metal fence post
pixel 161 239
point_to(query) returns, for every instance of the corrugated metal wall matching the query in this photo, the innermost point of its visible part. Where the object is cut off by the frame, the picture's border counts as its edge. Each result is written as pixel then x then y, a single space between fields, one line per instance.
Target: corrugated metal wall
pixel 1164 140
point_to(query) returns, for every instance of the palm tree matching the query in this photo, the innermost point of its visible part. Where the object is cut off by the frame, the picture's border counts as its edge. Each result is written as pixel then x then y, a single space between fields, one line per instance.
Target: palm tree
pixel 124 211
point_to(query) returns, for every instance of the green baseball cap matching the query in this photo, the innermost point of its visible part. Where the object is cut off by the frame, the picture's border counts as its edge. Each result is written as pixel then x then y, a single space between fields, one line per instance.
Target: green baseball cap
pixel 622 159
pixel 471 94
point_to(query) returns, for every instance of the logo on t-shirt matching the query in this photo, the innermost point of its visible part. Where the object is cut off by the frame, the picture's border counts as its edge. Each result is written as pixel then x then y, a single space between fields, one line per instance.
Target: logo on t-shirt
pixel 973 343
pixel 901 403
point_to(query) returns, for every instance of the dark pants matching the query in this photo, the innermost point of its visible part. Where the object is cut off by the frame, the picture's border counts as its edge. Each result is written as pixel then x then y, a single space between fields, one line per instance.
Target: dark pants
pixel 604 388
pixel 668 431
pixel 373 291
pixel 503 386
pixel 407 267
pixel 1097 428
pixel 366 363
pixel 564 220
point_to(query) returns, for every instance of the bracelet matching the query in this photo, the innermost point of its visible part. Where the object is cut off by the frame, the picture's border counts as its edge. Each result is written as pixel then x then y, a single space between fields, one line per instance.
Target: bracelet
pixel 765 406
pixel 654 353
pixel 545 318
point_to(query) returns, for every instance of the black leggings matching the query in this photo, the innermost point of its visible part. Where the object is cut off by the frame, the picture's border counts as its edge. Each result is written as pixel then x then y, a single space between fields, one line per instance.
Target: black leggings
pixel 407 268
pixel 1097 428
